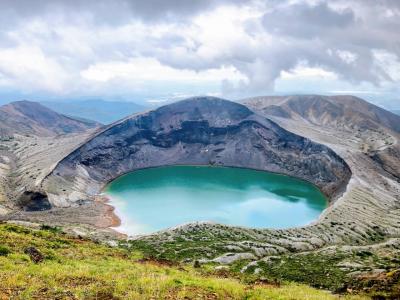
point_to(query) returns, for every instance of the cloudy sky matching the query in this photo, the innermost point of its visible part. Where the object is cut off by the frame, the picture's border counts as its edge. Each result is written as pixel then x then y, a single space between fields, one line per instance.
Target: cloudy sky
pixel 154 50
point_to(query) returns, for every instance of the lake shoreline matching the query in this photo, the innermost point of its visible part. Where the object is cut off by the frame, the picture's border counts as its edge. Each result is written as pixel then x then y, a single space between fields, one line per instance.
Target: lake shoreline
pixel 230 196
pixel 114 221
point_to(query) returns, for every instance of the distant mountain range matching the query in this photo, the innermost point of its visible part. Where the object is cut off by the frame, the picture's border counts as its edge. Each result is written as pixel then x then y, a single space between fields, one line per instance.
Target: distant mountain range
pixel 397 112
pixel 26 117
pixel 102 111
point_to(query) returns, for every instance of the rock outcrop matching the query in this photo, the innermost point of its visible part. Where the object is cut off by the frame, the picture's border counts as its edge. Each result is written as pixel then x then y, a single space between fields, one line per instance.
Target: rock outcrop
pixel 201 131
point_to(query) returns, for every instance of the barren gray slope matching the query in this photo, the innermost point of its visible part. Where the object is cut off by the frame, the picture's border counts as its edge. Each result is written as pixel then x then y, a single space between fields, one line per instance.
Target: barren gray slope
pixel 203 131
pixel 372 128
pixel 348 112
pixel 33 139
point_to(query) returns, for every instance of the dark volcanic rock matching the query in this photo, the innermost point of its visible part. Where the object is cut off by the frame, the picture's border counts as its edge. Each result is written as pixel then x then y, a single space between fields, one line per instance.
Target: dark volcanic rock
pixel 34 201
pixel 203 131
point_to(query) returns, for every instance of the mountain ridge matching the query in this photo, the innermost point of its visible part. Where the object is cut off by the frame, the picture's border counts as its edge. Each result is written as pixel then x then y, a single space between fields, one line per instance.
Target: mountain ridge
pixel 374 129
pixel 28 117
pixel 343 111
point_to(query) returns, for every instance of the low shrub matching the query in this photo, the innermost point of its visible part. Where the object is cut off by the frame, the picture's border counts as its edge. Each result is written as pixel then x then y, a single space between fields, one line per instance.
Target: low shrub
pixel 4 251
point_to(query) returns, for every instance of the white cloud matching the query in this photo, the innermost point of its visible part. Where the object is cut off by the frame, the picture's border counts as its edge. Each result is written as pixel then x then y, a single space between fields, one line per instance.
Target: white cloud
pixel 29 67
pixel 239 48
pixel 347 56
pixel 302 71
pixel 390 62
pixel 351 92
pixel 149 69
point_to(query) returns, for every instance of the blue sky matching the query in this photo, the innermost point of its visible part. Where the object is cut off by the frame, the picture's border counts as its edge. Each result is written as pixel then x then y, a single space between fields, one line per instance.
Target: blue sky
pixel 155 51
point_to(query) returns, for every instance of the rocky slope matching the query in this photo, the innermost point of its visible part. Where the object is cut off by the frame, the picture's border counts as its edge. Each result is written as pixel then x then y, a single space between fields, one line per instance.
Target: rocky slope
pixel 347 112
pixel 374 130
pixel 33 139
pixel 195 131
pixel 26 117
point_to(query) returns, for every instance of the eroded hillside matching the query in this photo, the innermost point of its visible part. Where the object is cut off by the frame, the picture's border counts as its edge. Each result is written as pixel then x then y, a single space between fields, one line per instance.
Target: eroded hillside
pixel 32 140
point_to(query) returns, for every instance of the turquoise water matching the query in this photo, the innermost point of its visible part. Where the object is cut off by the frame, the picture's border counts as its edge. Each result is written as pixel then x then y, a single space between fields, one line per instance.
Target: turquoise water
pixel 148 200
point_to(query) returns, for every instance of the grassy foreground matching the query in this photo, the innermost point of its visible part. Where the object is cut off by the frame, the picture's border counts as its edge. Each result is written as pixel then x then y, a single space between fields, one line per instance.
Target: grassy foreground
pixel 81 269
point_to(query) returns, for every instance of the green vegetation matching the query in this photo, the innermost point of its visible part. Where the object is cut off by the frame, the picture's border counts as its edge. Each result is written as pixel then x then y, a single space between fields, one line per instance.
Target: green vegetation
pixel 81 269
pixel 4 251
pixel 194 244
pixel 317 270
pixel 335 270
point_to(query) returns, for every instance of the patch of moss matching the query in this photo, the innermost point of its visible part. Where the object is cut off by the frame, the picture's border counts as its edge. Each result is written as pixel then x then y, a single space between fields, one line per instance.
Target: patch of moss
pixel 4 251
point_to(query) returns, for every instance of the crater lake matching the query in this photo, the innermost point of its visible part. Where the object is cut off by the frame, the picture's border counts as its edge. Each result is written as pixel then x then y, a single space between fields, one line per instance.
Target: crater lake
pixel 153 199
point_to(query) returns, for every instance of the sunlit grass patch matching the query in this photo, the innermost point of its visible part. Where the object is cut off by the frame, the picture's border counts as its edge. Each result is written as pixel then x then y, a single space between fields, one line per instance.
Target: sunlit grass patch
pixel 81 269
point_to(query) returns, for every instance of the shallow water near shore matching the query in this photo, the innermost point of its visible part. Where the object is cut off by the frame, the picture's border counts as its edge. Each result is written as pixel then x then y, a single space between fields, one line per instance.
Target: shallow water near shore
pixel 153 199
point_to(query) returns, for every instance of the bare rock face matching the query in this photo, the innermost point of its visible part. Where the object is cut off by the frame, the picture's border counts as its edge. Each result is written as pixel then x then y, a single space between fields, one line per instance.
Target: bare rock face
pixel 200 131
